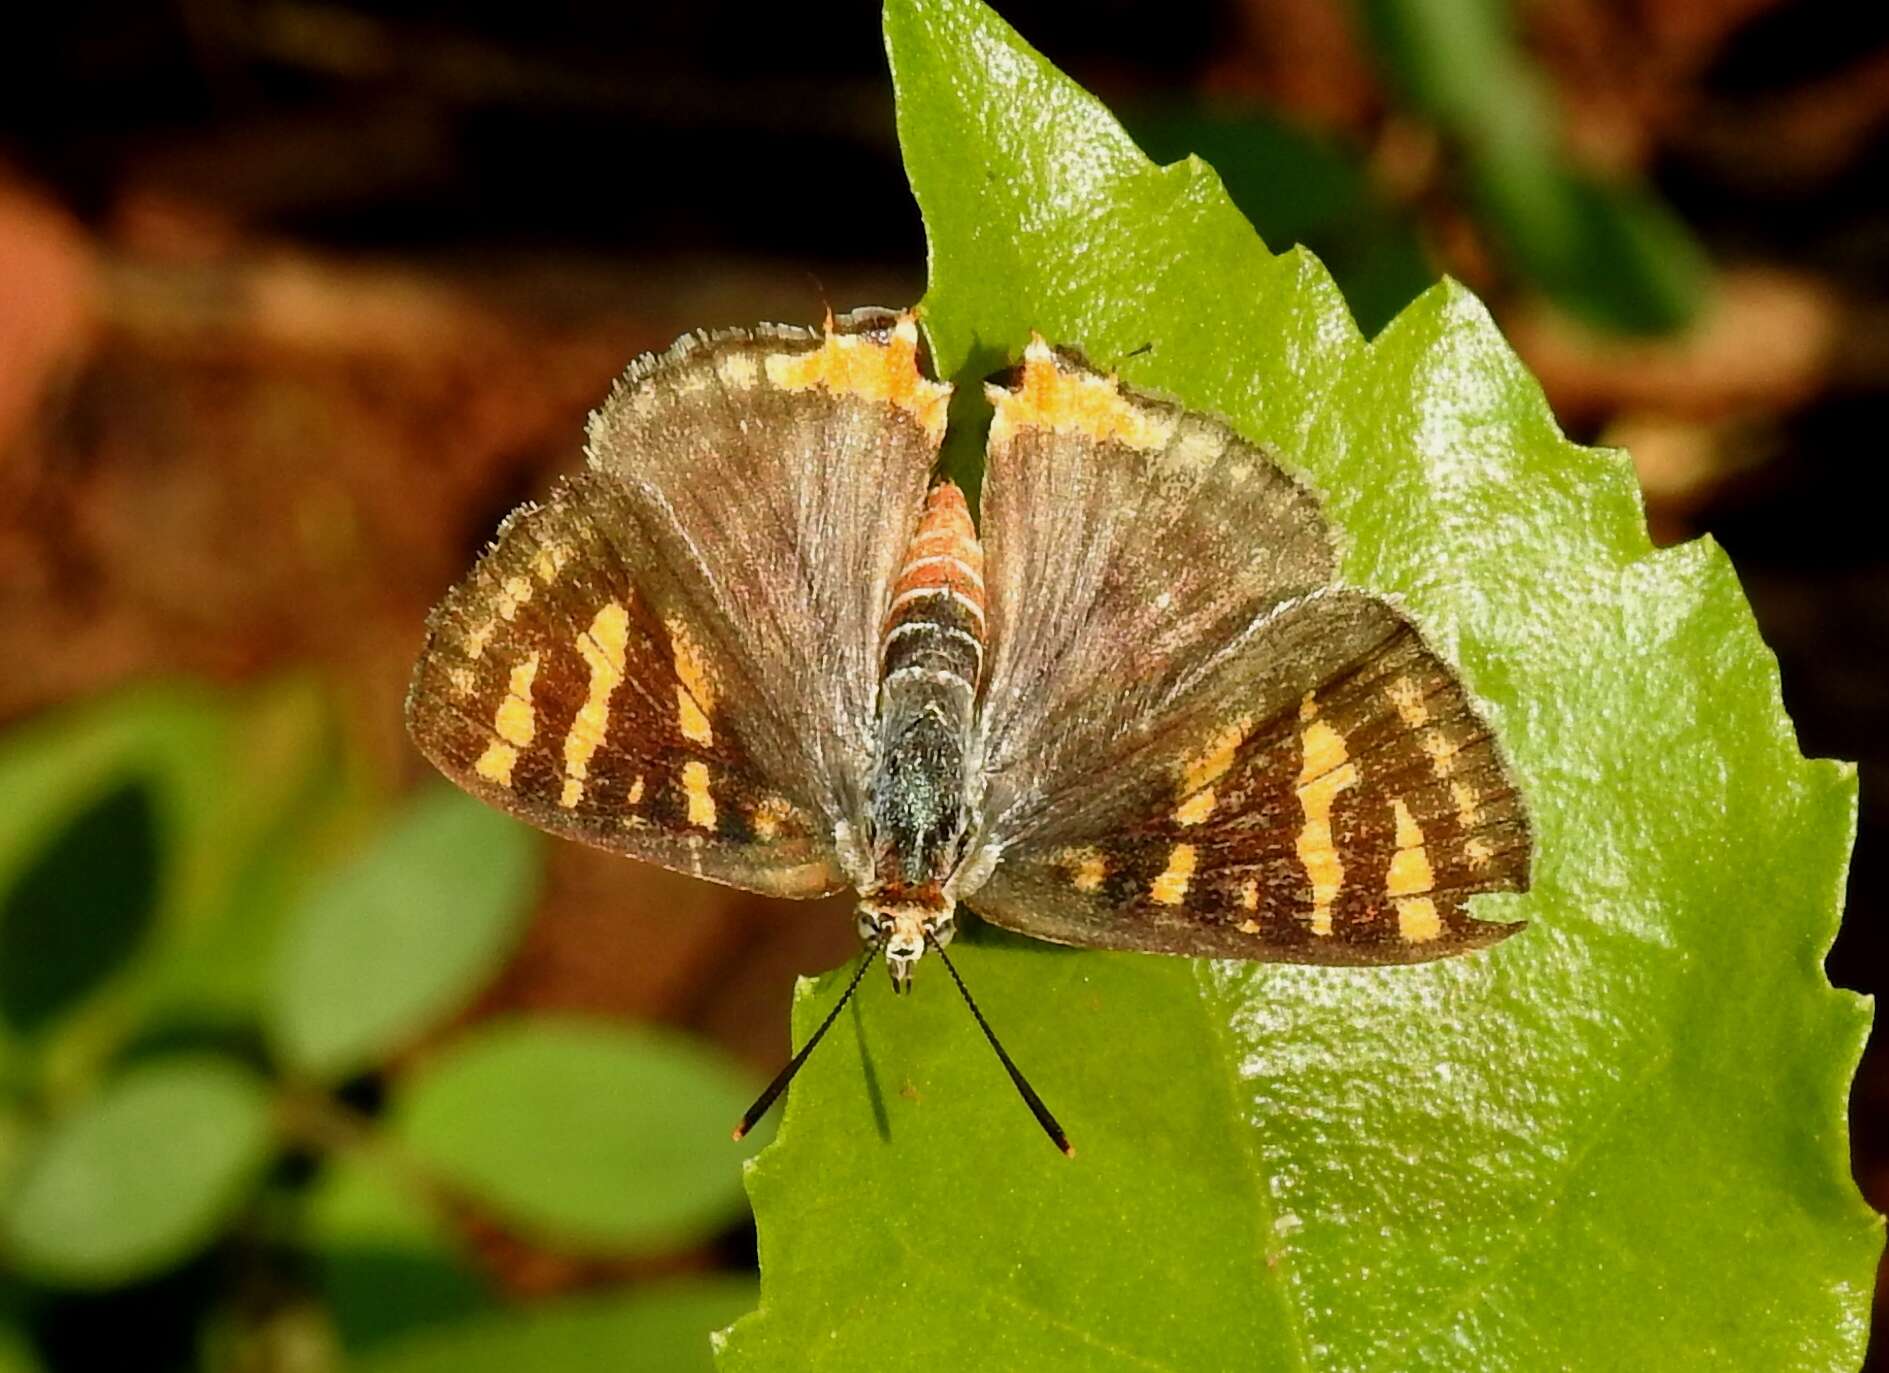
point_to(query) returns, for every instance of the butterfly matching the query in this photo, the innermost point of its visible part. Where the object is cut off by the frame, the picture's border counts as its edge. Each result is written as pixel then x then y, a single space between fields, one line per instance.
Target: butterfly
pixel 1130 706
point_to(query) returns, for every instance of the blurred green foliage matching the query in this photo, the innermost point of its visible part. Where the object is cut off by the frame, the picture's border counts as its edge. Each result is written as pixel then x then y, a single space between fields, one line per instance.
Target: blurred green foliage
pixel 212 934
pixel 1604 250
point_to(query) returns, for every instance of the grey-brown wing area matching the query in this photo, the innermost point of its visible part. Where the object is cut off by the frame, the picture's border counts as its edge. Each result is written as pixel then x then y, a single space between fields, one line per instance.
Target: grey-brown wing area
pixel 1125 557
pixel 776 510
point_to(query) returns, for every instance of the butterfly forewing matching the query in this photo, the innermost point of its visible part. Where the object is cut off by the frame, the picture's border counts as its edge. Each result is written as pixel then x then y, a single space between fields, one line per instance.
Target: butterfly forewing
pixel 675 657
pixel 1126 541
pixel 776 476
pixel 555 687
pixel 1267 768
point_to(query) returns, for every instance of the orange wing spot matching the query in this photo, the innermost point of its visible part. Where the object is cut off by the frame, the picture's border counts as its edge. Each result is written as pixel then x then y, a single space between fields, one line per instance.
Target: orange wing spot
pixel 1086 867
pixel 770 814
pixel 858 365
pixel 698 797
pixel 1418 921
pixel 602 647
pixel 515 592
pixel 1170 888
pixel 497 762
pixel 1410 873
pixel 1050 396
pixel 1468 810
pixel 1324 750
pixel 1407 696
pixel 1211 763
pixel 695 687
pixel 1195 808
pixel 1326 771
pixel 515 722
pixel 1441 750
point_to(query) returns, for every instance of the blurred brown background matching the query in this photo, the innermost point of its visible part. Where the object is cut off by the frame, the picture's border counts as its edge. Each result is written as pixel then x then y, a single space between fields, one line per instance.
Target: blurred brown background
pixel 298 298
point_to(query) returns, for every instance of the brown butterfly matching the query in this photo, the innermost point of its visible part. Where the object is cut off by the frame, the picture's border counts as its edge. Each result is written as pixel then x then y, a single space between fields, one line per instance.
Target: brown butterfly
pixel 758 642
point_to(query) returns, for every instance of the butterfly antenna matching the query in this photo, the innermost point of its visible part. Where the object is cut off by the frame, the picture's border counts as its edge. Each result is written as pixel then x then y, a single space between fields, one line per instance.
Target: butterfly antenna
pixel 786 1075
pixel 1024 1089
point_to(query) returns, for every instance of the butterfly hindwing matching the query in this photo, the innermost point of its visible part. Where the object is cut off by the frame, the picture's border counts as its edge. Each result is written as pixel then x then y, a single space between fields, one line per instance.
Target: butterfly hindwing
pixel 675 657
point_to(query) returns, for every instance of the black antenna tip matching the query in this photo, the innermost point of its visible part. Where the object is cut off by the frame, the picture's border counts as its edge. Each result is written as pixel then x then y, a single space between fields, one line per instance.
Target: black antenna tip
pixel 1044 1119
pixel 786 1075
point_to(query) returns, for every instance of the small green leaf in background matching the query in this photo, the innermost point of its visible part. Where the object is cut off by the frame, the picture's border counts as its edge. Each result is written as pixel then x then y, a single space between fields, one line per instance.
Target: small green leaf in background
pixel 664 1328
pixel 80 908
pixel 602 1137
pixel 402 937
pixel 1617 1140
pixel 197 812
pixel 131 767
pixel 140 1176
pixel 384 1256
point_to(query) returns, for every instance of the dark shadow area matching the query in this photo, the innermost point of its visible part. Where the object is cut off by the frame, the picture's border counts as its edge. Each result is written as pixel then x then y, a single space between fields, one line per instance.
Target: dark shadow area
pixel 82 907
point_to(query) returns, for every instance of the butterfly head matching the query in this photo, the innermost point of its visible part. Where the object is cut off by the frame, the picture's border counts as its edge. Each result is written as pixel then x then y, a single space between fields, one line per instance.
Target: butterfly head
pixel 903 931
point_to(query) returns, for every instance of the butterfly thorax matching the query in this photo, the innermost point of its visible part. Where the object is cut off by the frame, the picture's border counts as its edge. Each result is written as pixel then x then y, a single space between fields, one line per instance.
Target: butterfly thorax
pixel 931 653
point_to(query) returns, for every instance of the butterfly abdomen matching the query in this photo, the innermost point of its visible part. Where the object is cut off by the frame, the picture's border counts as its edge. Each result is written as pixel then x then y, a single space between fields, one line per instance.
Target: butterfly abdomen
pixel 931 655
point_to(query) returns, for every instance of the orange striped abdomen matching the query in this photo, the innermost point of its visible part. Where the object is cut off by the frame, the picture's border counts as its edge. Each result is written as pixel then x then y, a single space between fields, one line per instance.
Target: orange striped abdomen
pixel 931 655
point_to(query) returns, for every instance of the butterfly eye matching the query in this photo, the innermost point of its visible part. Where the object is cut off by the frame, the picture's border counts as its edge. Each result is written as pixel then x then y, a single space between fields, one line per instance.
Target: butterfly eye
pixel 871 925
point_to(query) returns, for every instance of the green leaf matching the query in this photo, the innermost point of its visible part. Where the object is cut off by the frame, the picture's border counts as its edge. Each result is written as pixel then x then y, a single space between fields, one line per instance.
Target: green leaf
pixel 140 1176
pixel 17 1354
pixel 1372 251
pixel 69 921
pixel 403 936
pixel 290 797
pixel 384 1255
pixel 1616 1140
pixel 216 800
pixel 599 1137
pixel 118 772
pixel 664 1328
